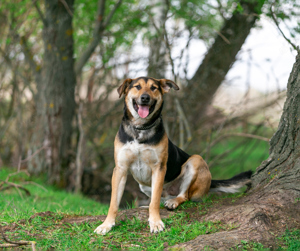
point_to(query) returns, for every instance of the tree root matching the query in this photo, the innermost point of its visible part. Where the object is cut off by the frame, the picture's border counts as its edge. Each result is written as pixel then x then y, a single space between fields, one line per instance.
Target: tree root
pixel 258 218
pixel 11 243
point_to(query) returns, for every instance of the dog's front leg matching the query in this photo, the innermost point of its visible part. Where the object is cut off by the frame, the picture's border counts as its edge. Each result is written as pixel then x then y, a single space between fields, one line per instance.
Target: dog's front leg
pixel 118 184
pixel 155 222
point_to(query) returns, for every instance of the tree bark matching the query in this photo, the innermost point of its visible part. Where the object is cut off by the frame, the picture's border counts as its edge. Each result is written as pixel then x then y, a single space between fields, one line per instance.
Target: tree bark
pixel 282 169
pixel 273 202
pixel 56 105
pixel 220 58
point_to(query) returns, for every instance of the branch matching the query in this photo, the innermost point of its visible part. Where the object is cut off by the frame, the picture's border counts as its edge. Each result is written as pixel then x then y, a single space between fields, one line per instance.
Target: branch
pixel 15 243
pixel 35 153
pixel 185 122
pixel 246 135
pixel 9 63
pixel 110 15
pixel 79 150
pixel 67 7
pixel 40 12
pixel 169 50
pixel 97 34
pixel 223 37
pixel 29 58
pixel 16 186
pixel 277 24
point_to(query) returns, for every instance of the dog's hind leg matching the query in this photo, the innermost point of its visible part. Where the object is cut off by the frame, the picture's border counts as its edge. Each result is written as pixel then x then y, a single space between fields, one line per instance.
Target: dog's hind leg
pixel 201 185
pixel 194 184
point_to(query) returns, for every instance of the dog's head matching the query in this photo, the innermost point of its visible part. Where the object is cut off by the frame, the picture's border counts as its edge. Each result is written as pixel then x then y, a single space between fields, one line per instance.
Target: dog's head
pixel 144 96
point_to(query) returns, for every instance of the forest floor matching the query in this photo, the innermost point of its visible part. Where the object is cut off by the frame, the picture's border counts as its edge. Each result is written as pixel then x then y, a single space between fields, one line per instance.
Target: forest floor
pixel 55 220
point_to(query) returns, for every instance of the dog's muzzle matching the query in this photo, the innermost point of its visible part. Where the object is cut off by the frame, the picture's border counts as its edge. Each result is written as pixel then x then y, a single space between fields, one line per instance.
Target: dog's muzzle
pixel 144 106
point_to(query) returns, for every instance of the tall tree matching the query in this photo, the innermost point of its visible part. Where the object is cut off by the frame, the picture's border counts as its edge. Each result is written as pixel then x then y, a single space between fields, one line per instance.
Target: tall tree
pixel 59 83
pixel 56 83
pixel 273 201
pixel 220 57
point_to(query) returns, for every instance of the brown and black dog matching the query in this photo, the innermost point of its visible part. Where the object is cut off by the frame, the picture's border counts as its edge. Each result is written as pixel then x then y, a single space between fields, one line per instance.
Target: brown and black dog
pixel 163 171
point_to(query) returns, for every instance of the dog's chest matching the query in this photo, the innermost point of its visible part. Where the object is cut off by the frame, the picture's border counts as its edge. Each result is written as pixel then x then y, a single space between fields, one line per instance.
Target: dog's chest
pixel 139 159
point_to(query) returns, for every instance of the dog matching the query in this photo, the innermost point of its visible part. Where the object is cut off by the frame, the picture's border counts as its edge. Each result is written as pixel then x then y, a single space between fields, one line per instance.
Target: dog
pixel 164 171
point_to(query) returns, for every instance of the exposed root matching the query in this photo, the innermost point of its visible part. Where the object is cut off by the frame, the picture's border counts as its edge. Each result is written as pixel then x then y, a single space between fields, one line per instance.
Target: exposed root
pixel 258 219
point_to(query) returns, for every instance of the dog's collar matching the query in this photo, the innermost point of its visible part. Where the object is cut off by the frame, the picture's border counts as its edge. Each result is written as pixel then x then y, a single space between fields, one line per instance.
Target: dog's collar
pixel 142 128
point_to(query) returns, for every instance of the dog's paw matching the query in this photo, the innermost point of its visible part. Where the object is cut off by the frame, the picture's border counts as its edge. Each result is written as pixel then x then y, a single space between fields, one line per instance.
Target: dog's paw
pixel 156 226
pixel 104 228
pixel 171 204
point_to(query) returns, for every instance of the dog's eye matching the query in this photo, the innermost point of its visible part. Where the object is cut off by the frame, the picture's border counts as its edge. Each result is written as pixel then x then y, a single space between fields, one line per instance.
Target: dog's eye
pixel 138 87
pixel 153 88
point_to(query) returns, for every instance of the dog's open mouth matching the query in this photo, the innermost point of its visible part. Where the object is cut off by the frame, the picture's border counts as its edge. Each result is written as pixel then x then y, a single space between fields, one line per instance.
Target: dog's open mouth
pixel 143 110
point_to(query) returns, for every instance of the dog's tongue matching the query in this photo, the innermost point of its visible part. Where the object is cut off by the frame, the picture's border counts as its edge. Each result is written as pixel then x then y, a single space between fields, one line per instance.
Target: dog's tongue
pixel 143 111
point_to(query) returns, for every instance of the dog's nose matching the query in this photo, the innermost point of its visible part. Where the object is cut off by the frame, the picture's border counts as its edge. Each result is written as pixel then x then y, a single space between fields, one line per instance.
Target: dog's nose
pixel 145 98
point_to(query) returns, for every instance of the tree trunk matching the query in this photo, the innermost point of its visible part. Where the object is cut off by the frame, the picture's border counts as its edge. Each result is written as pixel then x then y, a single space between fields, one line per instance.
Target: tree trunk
pixel 281 171
pixel 273 203
pixel 219 58
pixel 56 91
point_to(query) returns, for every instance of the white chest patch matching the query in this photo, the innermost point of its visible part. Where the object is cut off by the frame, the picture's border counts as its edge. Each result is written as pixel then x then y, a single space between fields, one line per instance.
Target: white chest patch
pixel 139 159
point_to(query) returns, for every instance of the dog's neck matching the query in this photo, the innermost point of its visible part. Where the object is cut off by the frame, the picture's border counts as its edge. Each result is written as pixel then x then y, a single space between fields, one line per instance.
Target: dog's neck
pixel 147 127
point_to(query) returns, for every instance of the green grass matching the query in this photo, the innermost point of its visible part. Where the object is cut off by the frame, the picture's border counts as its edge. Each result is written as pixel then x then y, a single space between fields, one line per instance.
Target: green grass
pixel 134 234
pixel 50 232
pixel 14 206
pixel 289 241
pixel 128 234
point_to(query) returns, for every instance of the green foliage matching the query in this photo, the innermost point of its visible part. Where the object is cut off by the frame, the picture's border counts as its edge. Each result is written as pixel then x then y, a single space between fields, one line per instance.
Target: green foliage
pixel 126 22
pixel 200 17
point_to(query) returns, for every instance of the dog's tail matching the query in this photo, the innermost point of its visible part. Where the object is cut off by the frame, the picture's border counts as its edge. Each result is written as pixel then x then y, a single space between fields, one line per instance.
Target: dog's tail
pixel 232 185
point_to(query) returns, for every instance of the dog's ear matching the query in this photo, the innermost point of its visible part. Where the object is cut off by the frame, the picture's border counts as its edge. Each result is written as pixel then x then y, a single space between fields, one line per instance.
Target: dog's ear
pixel 167 84
pixel 122 88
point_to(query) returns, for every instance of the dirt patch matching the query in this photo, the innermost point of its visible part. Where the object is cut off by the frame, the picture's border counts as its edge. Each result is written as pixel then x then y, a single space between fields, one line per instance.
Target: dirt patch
pixel 82 219
pixel 139 213
pixel 47 214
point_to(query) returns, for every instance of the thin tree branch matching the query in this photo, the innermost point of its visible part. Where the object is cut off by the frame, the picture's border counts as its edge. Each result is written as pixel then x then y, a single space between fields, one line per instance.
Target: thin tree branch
pixel 100 26
pixel 169 50
pixel 223 37
pixel 245 135
pixel 36 184
pixel 97 35
pixel 67 7
pixel 184 121
pixel 13 185
pixel 15 243
pixel 9 63
pixel 79 150
pixel 35 153
pixel 29 58
pixel 110 15
pixel 39 12
pixel 277 24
